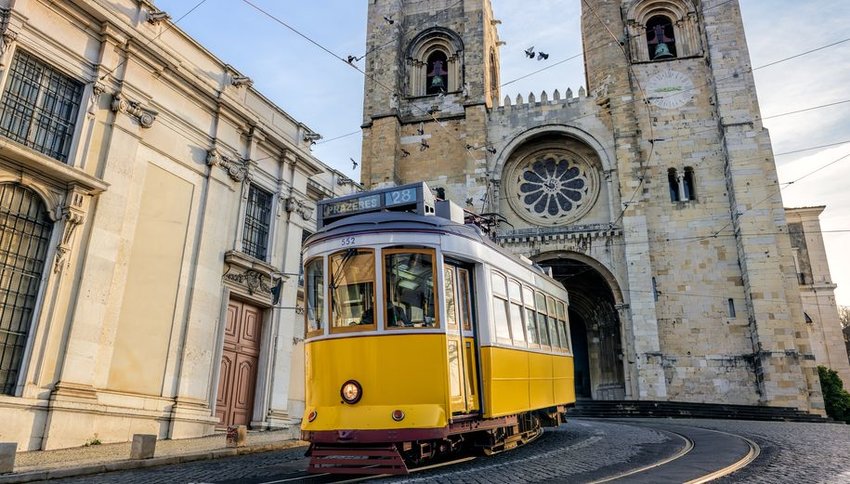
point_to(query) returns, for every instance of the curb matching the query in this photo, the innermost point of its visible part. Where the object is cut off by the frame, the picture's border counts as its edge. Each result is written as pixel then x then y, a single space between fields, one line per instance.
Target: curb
pixel 127 464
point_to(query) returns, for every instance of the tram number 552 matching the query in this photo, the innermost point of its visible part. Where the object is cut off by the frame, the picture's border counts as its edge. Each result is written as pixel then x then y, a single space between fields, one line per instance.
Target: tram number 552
pixel 347 241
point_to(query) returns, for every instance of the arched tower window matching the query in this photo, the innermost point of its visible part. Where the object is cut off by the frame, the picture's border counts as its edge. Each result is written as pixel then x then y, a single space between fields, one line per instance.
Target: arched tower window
pixel 673 183
pixel 434 63
pixel 663 29
pixel 437 77
pixel 660 38
pixel 25 230
pixel 688 184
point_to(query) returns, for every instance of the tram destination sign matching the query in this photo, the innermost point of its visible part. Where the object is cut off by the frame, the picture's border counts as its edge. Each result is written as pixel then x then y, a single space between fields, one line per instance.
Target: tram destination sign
pixel 355 205
pixel 415 198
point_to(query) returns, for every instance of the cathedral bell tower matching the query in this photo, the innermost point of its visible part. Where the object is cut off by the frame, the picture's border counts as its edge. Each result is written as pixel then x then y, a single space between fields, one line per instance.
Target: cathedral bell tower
pixel 675 82
pixel 431 73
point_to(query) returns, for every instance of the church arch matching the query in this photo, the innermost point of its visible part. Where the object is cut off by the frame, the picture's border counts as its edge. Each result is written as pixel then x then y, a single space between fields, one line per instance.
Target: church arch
pixel 530 135
pixel 597 329
pixel 435 63
pixel 555 176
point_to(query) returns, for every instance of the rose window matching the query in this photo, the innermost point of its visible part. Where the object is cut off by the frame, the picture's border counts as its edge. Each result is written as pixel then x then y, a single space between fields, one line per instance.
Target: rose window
pixel 553 188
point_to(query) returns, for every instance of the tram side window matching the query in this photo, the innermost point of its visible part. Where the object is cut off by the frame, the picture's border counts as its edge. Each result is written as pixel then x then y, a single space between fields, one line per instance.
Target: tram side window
pixel 517 329
pixel 553 322
pixel 465 299
pixel 500 306
pixel 530 324
pixel 409 290
pixel 563 329
pixel 352 285
pixel 542 319
pixel 449 296
pixel 314 284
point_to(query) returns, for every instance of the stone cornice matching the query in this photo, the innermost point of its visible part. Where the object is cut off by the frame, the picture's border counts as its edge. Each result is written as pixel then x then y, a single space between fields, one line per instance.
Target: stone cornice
pixel 31 160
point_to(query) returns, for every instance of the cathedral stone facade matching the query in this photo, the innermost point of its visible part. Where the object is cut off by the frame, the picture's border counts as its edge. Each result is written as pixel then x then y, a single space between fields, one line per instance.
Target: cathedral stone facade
pixel 652 193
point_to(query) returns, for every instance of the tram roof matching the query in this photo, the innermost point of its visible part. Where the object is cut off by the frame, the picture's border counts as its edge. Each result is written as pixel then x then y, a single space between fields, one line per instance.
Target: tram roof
pixel 405 221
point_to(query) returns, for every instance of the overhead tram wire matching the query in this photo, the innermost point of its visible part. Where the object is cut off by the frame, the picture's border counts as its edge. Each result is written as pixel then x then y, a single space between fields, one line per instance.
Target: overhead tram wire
pixel 572 57
pixel 604 46
pixel 574 119
pixel 642 164
pixel 157 36
pixel 377 82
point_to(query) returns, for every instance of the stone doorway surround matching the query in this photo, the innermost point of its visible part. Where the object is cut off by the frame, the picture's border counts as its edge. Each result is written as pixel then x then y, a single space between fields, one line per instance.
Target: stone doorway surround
pixel 594 310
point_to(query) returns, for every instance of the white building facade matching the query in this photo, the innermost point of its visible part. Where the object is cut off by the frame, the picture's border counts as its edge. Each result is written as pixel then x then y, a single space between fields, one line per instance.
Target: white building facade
pixel 152 208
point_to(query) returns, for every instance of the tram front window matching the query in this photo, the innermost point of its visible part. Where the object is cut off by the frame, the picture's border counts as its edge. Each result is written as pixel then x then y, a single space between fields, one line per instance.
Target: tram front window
pixel 352 285
pixel 314 277
pixel 409 290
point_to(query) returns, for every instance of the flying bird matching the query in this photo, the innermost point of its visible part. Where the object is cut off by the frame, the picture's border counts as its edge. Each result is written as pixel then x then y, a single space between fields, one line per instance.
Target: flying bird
pixel 469 201
pixel 354 164
pixel 529 52
pixel 542 56
pixel 424 145
pixel 404 153
pixel 389 20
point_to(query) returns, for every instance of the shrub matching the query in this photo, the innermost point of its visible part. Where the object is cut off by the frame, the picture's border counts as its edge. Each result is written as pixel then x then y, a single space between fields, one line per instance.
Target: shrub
pixel 92 441
pixel 835 397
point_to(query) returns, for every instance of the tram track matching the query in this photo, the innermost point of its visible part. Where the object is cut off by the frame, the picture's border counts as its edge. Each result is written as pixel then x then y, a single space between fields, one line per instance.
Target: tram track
pixel 703 455
pixel 338 479
pixel 698 464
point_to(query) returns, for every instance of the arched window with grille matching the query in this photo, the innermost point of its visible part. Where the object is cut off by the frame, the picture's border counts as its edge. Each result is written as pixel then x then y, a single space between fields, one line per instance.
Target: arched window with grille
pixel 25 230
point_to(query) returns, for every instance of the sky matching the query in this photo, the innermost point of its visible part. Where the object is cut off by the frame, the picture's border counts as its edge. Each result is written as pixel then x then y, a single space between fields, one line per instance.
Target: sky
pixel 326 94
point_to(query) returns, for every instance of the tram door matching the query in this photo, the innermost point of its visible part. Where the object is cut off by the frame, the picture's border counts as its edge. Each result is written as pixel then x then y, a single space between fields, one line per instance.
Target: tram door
pixel 463 380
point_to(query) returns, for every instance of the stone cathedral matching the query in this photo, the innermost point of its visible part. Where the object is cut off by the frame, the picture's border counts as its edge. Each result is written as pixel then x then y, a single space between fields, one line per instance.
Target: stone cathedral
pixel 652 193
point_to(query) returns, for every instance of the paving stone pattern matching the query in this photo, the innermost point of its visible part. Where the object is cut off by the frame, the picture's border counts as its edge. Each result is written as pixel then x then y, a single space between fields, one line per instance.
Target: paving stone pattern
pixel 790 452
pixel 580 451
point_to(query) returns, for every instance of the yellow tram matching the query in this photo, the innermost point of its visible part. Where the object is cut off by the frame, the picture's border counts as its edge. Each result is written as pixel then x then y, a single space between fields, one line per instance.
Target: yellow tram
pixel 424 336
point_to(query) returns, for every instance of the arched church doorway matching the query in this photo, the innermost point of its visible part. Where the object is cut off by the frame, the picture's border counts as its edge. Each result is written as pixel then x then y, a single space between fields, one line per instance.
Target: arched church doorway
pixel 595 328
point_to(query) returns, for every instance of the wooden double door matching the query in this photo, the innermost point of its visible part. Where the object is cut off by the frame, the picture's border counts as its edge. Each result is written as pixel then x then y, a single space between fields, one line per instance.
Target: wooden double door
pixel 239 361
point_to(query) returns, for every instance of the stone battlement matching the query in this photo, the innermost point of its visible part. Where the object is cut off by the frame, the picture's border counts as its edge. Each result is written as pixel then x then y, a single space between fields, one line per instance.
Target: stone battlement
pixel 532 100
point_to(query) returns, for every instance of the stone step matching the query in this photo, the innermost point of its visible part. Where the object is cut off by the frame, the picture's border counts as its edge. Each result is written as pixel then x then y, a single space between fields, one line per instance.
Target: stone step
pixel 633 408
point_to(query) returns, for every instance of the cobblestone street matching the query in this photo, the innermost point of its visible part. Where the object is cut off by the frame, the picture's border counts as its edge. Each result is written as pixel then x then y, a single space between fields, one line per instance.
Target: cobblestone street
pixel 579 451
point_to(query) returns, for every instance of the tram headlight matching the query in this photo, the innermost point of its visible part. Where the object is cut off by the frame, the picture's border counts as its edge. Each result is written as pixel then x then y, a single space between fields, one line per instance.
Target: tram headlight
pixel 351 392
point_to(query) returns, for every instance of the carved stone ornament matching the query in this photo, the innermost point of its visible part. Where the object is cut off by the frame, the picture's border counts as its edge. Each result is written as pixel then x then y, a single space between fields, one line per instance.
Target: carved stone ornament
pixel 7 39
pixel 74 215
pixel 94 101
pixel 144 116
pixel 236 169
pixel 251 279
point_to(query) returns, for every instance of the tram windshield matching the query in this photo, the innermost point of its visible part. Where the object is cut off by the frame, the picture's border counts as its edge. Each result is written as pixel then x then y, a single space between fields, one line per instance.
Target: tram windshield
pixel 409 277
pixel 352 284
